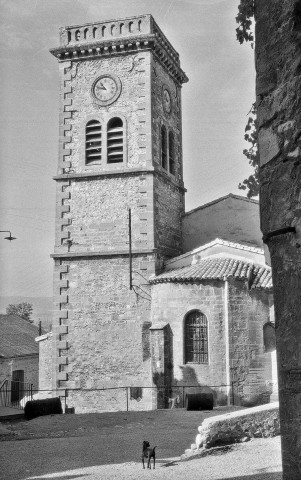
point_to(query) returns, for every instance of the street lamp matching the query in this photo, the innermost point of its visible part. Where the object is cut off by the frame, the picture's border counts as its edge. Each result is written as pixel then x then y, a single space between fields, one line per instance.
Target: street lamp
pixel 10 238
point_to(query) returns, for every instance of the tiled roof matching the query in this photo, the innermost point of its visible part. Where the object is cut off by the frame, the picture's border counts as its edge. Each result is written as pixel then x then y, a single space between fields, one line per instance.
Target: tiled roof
pixel 17 336
pixel 219 268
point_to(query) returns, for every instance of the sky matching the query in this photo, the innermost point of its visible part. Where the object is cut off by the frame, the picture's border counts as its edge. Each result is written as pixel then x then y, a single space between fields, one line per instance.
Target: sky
pixel 216 102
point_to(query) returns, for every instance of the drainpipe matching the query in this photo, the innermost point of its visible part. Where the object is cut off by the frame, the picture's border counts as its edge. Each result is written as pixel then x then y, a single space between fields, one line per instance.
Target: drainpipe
pixel 228 376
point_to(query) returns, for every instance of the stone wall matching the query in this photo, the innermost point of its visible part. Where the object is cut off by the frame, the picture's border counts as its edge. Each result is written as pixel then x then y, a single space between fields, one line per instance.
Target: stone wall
pixel 231 218
pixel 278 26
pixel 101 336
pixel 256 422
pixel 172 121
pixel 96 211
pixel 45 365
pixel 133 106
pixel 105 342
pixel 171 302
pixel 168 208
pixel 251 367
pixel 28 363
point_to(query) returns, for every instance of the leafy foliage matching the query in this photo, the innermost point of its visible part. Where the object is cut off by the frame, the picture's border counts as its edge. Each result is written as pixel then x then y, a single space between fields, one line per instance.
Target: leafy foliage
pixel 251 136
pixel 245 34
pixel 244 19
pixel 23 310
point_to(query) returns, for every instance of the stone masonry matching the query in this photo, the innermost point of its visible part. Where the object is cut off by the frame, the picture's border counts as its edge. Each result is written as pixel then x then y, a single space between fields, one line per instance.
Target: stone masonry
pixel 246 312
pixel 100 334
pixel 278 62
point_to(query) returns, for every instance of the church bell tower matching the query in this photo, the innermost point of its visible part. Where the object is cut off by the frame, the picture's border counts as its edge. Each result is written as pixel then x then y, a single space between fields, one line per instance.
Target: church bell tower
pixel 120 148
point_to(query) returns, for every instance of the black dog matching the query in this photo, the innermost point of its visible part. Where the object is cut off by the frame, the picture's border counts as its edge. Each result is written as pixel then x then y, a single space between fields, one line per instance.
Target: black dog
pixel 148 453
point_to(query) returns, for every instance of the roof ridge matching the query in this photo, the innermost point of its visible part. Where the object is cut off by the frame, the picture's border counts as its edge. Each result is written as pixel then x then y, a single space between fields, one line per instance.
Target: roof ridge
pixel 212 202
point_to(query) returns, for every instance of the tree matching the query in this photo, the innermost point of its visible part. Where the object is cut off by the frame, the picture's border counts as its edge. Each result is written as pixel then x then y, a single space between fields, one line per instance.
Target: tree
pixel 244 19
pixel 251 136
pixel 245 34
pixel 23 310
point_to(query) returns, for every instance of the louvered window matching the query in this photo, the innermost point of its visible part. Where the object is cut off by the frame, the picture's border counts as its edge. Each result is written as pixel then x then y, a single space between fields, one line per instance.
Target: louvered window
pixel 196 338
pixel 93 143
pixel 171 153
pixel 163 147
pixel 115 141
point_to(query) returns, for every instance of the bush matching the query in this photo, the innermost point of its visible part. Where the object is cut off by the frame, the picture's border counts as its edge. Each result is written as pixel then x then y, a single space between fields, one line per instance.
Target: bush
pixel 47 406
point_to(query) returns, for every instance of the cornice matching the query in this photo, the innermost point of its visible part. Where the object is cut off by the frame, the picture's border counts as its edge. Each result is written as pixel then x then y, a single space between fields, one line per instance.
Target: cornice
pixel 102 253
pixel 119 173
pixel 121 46
pixel 115 253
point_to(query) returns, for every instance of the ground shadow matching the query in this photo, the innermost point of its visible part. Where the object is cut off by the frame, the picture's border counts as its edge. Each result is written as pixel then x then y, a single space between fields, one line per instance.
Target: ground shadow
pixel 63 476
pixel 256 476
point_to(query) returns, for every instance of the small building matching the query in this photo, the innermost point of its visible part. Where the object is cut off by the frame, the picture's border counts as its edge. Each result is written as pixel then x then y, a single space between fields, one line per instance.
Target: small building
pixel 214 303
pixel 19 360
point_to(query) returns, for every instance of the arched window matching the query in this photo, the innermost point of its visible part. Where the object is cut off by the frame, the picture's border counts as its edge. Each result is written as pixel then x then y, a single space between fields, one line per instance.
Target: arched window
pixel 94 32
pixel 103 31
pixel 93 143
pixel 163 147
pixel 121 27
pixel 196 338
pixel 86 33
pixel 115 141
pixel 269 337
pixel 171 153
pixel 77 35
pixel 130 27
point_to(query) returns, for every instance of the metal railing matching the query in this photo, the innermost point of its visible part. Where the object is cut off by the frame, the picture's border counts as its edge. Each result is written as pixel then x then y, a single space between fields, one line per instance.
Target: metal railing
pixel 15 394
pixel 126 398
pixel 129 398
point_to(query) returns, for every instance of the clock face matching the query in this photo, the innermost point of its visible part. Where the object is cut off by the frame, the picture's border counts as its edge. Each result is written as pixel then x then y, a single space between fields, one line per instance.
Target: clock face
pixel 106 89
pixel 166 100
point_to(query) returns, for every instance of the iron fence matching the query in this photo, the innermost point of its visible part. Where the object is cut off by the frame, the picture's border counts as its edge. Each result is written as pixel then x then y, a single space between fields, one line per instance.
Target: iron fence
pixel 129 398
pixel 126 398
pixel 15 394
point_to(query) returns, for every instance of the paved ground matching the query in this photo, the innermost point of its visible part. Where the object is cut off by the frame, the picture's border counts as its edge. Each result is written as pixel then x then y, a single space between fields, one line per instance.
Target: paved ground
pixel 7 412
pixel 107 447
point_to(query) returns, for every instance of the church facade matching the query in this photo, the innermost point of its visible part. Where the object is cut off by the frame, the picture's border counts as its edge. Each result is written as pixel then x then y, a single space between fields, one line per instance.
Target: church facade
pixel 135 304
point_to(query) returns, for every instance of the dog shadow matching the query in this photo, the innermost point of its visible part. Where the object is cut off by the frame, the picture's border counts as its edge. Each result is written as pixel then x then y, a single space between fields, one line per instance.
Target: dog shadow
pixel 167 463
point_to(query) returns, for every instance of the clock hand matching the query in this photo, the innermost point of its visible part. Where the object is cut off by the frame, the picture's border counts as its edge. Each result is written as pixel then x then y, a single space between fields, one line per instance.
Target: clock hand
pixel 100 86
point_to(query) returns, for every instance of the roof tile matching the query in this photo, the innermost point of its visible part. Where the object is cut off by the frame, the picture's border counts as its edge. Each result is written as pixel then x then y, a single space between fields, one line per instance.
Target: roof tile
pixel 17 336
pixel 219 268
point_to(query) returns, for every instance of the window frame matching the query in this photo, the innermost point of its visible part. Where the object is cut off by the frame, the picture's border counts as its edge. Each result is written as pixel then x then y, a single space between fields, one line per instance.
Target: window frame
pixel 171 153
pixel 200 347
pixel 109 147
pixel 267 347
pixel 168 157
pixel 104 122
pixel 89 162
pixel 164 147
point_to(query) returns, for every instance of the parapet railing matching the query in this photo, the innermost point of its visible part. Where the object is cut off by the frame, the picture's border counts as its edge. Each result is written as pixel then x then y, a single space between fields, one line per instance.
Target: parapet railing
pixel 105 30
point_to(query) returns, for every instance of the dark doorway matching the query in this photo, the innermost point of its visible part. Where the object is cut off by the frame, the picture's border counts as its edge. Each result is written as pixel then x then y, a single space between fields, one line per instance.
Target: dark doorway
pixel 17 386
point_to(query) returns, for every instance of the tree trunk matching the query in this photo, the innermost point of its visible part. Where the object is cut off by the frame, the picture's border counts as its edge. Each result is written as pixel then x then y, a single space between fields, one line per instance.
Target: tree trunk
pixel 278 90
